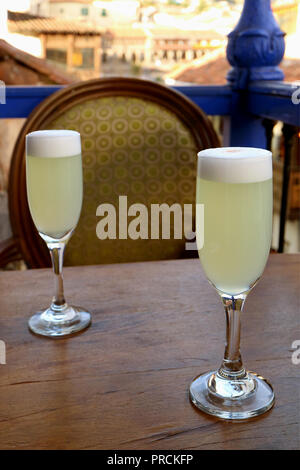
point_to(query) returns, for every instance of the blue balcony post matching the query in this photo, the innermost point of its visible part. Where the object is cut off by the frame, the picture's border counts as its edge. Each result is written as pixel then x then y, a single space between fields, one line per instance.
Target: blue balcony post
pixel 255 48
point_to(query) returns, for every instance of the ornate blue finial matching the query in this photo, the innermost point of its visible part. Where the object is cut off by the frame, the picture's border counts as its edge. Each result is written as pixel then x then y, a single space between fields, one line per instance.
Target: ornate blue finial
pixel 256 45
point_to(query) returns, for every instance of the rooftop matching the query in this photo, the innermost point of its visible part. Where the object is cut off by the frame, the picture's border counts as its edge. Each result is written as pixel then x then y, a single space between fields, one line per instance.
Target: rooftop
pixel 19 68
pixel 25 23
pixel 212 70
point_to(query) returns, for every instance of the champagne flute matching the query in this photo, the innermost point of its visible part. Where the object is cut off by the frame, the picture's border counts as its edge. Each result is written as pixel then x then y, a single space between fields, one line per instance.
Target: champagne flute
pixel 54 192
pixel 235 186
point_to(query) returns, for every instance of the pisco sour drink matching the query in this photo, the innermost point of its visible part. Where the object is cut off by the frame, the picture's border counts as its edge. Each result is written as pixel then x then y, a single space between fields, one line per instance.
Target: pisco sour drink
pixel 235 186
pixel 54 180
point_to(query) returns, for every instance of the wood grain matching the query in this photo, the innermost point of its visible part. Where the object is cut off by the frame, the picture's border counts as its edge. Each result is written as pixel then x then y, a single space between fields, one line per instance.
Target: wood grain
pixel 123 383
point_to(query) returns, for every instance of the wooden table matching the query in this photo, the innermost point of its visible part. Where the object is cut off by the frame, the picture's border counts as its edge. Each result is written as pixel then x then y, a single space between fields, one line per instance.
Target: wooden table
pixel 123 383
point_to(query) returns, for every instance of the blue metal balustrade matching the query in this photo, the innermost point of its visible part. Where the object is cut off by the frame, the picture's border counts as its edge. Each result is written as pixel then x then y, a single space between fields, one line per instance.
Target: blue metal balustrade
pixel 255 90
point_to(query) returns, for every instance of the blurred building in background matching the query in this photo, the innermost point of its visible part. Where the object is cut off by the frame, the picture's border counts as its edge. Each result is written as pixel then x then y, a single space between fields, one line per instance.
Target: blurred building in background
pixel 159 45
pixel 126 37
pixel 72 45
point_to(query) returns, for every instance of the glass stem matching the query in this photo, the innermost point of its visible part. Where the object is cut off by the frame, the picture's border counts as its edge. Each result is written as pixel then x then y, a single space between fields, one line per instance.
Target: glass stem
pixel 232 365
pixel 57 256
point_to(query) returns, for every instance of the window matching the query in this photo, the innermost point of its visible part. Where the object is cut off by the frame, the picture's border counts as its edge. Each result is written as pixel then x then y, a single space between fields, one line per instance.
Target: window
pixel 57 55
pixel 83 58
pixel 84 11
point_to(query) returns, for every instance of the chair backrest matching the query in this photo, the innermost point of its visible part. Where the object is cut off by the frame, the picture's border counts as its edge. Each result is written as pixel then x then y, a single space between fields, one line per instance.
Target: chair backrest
pixel 139 139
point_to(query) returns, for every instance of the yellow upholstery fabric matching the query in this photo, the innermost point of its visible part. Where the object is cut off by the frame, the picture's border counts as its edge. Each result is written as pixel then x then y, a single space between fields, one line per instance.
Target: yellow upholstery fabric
pixel 130 147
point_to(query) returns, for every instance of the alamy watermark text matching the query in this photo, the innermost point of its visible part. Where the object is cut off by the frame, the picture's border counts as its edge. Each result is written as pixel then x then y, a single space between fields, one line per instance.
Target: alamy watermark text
pixel 162 220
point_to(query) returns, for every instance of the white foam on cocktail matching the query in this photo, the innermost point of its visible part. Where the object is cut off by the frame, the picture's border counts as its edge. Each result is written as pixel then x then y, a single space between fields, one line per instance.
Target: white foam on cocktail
pixel 53 143
pixel 235 164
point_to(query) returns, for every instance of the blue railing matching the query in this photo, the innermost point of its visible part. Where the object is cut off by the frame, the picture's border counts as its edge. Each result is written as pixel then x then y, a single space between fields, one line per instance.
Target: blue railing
pixel 268 99
pixel 21 100
pixel 255 91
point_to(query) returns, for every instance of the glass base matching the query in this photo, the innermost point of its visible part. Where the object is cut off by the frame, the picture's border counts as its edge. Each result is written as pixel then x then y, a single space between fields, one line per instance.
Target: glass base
pixel 235 399
pixel 55 324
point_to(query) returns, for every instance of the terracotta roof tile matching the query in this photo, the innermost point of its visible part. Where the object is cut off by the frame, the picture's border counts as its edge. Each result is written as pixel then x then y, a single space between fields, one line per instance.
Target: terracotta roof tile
pixel 214 72
pixel 19 68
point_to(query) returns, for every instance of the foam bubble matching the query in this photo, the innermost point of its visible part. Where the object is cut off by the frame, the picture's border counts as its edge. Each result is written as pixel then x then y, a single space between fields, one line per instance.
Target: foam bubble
pixel 235 164
pixel 53 143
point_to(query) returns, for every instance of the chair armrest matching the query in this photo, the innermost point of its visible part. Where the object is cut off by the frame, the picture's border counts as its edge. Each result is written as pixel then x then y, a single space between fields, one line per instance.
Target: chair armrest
pixel 9 251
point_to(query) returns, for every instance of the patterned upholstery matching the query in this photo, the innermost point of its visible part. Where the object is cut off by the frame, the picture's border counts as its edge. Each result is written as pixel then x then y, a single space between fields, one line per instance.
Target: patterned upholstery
pixel 131 147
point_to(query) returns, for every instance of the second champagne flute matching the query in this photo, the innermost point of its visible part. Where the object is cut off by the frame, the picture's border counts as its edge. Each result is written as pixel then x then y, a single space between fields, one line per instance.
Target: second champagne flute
pixel 54 191
pixel 235 187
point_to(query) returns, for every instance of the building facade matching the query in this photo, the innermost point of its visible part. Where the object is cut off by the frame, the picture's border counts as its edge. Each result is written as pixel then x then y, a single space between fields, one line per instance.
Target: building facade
pixel 72 45
pixel 101 12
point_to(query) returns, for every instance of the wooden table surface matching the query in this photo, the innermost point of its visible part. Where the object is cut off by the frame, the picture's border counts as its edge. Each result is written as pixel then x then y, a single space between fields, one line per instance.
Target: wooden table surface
pixel 123 383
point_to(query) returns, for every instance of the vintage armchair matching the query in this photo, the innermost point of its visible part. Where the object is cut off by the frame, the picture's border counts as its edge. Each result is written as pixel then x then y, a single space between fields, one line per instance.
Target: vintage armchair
pixel 139 139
